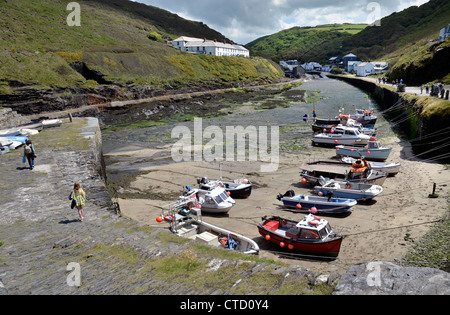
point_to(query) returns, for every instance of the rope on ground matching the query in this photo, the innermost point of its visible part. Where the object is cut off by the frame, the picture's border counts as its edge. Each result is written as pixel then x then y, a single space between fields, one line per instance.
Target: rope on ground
pixel 395 227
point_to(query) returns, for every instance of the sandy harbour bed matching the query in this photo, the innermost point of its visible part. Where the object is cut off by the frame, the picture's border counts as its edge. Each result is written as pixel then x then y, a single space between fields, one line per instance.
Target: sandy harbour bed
pixel 380 230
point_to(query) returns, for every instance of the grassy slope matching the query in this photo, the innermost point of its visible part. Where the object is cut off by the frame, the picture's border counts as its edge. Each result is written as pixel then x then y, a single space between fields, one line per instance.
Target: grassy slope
pixel 402 40
pixel 400 29
pixel 305 43
pixel 37 45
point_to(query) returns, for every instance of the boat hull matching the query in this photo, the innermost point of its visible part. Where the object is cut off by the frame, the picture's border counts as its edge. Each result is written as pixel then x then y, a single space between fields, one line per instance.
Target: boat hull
pixel 323 206
pixel 379 155
pixel 313 172
pixel 334 140
pixel 356 192
pixel 240 192
pixel 216 210
pixel 244 244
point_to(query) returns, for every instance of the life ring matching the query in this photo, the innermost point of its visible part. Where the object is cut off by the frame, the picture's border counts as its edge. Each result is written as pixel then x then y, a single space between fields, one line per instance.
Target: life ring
pixel 315 221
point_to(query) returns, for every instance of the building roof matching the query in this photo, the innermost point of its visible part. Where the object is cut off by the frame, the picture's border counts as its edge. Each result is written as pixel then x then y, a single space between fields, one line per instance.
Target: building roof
pixel 211 43
pixel 363 64
pixel 187 39
pixel 349 55
pixel 198 42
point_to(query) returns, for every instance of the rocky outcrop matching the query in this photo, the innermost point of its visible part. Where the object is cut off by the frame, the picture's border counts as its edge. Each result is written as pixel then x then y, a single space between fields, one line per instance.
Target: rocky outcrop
pixel 10 118
pixel 389 279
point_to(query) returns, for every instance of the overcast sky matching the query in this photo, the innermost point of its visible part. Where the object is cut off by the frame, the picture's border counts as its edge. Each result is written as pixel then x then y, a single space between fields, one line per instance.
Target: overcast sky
pixel 245 20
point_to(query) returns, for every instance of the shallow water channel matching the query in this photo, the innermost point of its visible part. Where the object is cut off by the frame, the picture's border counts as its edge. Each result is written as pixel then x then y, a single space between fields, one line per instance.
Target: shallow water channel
pixel 326 96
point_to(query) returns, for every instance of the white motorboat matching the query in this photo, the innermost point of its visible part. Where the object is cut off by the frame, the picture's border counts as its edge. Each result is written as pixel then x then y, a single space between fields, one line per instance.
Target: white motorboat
pixel 358 191
pixel 342 135
pixel 214 201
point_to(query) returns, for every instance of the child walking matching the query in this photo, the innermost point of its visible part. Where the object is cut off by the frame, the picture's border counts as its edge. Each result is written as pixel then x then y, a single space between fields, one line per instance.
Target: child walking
pixel 79 196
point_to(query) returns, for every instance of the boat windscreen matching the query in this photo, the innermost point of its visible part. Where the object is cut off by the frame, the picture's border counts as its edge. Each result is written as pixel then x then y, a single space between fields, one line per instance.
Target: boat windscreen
pixel 325 231
pixel 218 199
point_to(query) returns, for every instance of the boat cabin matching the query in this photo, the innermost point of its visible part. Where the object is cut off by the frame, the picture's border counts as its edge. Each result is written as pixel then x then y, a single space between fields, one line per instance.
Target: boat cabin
pixel 310 228
pixel 342 130
pixel 214 196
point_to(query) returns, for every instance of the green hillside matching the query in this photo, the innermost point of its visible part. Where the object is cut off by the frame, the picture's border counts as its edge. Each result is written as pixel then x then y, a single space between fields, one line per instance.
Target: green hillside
pixel 400 29
pixel 305 43
pixel 118 41
pixel 408 41
pixel 403 39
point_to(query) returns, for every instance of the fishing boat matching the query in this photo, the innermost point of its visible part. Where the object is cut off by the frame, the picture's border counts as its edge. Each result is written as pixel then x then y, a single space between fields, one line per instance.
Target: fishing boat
pixel 214 201
pixel 342 135
pixel 239 188
pixel 312 235
pixel 390 168
pixel 364 116
pixel 327 121
pixel 340 171
pixel 357 191
pixel 323 205
pixel 188 223
pixel 374 151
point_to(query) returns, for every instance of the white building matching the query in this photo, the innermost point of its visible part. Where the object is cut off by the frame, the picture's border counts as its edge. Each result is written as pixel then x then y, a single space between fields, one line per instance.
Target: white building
pixel 364 69
pixel 209 47
pixel 380 66
pixel 444 33
pixel 351 65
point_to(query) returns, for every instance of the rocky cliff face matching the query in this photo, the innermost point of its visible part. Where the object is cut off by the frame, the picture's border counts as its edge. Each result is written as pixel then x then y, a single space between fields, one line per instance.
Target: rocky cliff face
pixel 384 278
pixel 10 118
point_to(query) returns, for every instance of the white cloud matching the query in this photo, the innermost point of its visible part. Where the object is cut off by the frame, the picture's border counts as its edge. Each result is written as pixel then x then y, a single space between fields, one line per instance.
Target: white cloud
pixel 245 20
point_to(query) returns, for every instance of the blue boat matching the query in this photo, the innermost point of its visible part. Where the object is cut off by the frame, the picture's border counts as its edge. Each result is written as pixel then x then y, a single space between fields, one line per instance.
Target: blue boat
pixel 324 205
pixel 372 152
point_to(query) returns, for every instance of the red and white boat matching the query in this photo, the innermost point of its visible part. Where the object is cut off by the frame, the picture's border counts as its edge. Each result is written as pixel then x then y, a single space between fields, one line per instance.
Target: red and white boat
pixel 312 235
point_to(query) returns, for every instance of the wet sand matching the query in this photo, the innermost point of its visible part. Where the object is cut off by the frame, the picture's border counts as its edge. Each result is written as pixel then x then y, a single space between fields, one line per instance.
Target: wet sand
pixel 380 230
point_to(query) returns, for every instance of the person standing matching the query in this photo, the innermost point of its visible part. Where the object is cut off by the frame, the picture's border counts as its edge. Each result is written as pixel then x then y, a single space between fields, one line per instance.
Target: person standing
pixel 79 196
pixel 29 153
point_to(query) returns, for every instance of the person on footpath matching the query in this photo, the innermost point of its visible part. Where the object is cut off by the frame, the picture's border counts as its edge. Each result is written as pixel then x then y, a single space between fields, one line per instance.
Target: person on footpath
pixel 79 196
pixel 29 153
